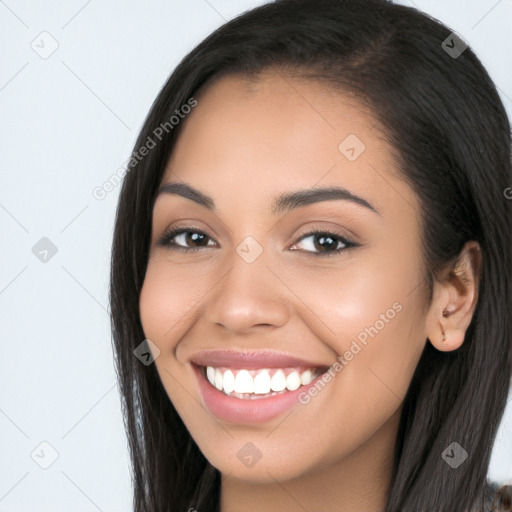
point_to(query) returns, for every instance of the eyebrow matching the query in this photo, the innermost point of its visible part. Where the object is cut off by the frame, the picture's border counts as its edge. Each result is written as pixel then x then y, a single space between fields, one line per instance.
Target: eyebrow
pixel 283 203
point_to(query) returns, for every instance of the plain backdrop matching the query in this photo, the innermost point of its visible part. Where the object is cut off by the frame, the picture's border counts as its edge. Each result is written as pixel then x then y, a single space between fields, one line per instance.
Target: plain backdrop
pixel 76 81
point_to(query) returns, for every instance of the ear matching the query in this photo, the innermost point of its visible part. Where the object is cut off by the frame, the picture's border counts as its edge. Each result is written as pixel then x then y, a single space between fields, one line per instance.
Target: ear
pixel 454 300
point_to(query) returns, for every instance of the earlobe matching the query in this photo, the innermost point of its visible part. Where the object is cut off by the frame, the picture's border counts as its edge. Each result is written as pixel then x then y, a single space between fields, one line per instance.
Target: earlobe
pixel 454 300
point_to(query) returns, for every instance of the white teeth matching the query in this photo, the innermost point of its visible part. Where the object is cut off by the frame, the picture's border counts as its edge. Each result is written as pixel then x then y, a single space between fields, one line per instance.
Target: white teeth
pixel 258 382
pixel 262 383
pixel 243 383
pixel 293 381
pixel 228 381
pixel 306 377
pixel 210 373
pixel 218 379
pixel 278 381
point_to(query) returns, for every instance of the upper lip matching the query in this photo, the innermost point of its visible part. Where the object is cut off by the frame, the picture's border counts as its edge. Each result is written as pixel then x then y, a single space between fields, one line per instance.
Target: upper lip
pixel 251 359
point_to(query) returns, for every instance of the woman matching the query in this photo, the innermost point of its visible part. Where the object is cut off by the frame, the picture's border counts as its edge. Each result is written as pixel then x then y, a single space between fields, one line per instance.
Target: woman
pixel 312 264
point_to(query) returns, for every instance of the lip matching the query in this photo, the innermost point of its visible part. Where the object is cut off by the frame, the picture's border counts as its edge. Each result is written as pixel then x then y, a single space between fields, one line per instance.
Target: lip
pixel 251 359
pixel 247 411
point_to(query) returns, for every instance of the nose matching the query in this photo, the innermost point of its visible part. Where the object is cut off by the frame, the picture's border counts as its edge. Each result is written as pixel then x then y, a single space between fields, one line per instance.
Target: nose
pixel 248 297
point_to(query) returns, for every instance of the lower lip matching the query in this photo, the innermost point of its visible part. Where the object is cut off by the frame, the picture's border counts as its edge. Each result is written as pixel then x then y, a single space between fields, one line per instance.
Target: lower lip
pixel 238 410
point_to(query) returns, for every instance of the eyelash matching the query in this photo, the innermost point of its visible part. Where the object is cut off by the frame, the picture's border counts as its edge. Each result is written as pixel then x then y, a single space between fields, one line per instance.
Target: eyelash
pixel 165 241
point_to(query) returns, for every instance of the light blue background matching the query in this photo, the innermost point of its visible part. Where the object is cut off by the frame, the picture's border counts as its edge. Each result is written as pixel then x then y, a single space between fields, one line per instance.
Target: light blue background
pixel 68 122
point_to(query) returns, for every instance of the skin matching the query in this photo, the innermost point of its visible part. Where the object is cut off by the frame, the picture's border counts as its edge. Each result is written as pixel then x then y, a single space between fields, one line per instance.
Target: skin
pixel 244 144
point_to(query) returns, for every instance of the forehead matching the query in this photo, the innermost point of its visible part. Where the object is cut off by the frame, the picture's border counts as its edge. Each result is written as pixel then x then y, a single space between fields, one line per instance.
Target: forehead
pixel 267 133
pixel 296 107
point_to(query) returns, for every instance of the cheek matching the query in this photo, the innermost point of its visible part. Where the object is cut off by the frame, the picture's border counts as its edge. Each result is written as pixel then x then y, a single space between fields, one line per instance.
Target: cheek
pixel 370 314
pixel 364 296
pixel 170 293
pixel 169 304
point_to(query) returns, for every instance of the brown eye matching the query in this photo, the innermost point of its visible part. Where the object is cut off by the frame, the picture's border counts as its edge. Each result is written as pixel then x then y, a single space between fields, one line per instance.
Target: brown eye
pixel 325 243
pixel 181 237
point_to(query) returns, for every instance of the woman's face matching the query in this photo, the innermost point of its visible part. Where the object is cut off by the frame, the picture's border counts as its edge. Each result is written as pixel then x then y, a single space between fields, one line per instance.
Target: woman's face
pixel 247 286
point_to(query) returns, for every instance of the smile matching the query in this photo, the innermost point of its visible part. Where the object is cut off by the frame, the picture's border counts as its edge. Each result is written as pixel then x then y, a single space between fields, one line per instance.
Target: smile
pixel 251 384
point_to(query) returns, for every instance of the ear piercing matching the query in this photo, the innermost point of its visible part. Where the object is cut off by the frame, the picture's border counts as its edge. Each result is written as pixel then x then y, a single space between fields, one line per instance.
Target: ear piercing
pixel 443 339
